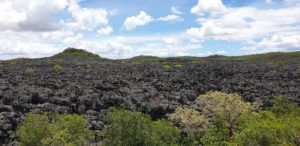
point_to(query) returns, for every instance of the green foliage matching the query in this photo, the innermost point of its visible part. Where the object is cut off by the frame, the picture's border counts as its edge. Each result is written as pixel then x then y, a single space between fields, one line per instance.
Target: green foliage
pixel 57 67
pixel 136 129
pixel 16 60
pixel 72 52
pixel 280 105
pixel 167 66
pixel 50 129
pixel 178 66
pixel 164 133
pixel 33 131
pixel 226 110
pixel 80 64
pixel 188 119
pixel 267 129
pixel 29 71
pixel 79 53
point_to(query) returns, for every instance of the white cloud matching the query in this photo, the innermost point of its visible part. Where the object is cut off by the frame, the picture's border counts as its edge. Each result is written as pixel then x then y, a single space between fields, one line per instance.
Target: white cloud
pixel 248 23
pixel 25 44
pixel 170 18
pixel 56 36
pixel 274 43
pixel 268 1
pixel 170 40
pixel 86 18
pixel 221 52
pixel 174 17
pixel 208 6
pixel 26 14
pixel 291 1
pixel 134 21
pixel 175 11
pixel 105 31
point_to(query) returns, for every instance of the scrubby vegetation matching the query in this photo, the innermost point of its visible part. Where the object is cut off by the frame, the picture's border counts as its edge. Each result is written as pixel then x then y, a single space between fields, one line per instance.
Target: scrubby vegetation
pixel 135 129
pixel 51 129
pixel 57 67
pixel 220 119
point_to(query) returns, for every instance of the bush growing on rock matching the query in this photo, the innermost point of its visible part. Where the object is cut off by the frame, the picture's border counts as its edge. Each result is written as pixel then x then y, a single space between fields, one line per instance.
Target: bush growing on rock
pixel 167 66
pixel 178 66
pixel 29 71
pixel 52 129
pixel 135 129
pixel 57 67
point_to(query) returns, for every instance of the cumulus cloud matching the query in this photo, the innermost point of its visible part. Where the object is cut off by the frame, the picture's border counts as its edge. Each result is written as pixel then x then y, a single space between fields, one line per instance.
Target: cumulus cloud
pixel 208 6
pixel 274 43
pixel 248 23
pixel 134 21
pixel 105 31
pixel 26 14
pixel 25 44
pixel 86 18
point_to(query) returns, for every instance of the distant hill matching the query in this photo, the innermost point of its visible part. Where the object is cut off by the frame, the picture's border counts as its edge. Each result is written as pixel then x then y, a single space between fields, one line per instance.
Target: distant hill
pixel 275 56
pixel 78 53
pixel 73 53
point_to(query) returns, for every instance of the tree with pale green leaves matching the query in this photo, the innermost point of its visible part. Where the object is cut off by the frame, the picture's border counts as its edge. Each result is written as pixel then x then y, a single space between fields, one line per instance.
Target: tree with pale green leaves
pixel 51 129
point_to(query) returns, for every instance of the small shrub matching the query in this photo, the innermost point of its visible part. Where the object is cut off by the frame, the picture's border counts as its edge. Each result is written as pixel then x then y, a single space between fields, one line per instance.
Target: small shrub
pixel 167 66
pixel 57 67
pixel 29 71
pixel 178 66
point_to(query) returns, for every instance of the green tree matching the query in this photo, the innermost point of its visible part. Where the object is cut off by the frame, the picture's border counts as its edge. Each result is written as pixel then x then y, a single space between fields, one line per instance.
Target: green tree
pixel 164 133
pixel 267 129
pixel 52 129
pixel 135 129
pixel 188 119
pixel 227 111
pixel 69 130
pixel 33 130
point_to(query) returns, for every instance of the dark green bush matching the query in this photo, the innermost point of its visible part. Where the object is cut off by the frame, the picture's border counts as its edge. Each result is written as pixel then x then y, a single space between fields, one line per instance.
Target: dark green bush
pixel 136 129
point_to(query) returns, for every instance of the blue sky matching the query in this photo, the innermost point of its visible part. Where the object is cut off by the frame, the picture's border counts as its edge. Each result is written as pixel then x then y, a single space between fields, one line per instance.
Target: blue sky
pixel 126 28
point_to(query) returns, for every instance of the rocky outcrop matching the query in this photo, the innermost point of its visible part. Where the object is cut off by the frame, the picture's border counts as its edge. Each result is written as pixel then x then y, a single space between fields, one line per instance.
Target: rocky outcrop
pixel 90 87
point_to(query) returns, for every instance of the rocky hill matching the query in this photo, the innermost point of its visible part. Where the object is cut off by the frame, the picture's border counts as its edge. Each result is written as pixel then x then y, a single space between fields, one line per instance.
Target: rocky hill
pixel 76 81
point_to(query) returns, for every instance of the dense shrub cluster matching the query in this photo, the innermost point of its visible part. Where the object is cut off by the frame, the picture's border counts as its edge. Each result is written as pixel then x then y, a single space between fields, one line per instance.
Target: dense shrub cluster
pixel 215 118
pixel 52 129
pixel 136 129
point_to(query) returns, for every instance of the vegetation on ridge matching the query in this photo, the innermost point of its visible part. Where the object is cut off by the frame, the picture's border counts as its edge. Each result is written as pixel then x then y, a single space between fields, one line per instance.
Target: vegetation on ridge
pixel 72 52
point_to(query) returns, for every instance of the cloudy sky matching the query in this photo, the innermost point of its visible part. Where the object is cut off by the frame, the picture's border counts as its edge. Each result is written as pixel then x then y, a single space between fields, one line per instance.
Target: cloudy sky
pixel 126 28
